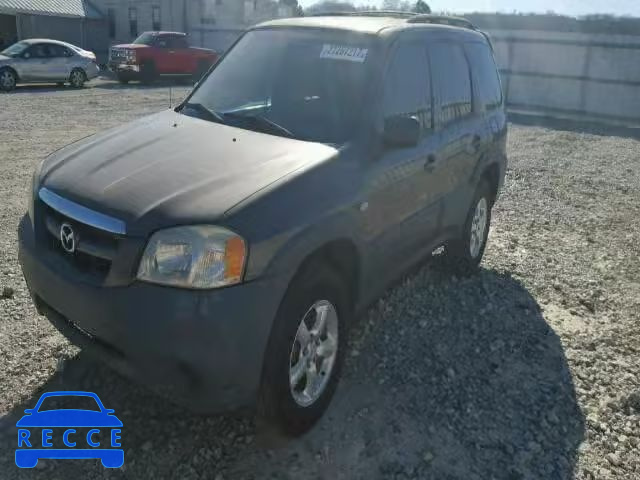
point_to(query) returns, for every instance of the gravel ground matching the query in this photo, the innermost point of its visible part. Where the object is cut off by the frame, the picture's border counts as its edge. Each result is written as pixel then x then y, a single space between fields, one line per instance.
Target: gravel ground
pixel 529 370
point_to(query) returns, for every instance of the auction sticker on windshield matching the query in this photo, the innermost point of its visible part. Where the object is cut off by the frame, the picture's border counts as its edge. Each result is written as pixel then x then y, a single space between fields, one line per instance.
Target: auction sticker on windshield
pixel 341 52
pixel 69 425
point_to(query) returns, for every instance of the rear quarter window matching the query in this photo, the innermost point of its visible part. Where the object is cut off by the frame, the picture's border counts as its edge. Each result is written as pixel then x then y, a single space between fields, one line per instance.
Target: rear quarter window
pixel 486 79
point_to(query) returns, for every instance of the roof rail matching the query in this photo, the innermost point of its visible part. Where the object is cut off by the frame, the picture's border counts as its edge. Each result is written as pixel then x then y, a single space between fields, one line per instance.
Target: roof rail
pixel 366 13
pixel 442 20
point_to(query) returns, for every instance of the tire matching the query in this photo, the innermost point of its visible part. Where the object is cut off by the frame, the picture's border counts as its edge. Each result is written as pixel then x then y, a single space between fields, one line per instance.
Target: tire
pixel 123 79
pixel 77 78
pixel 8 79
pixel 463 255
pixel 148 73
pixel 291 406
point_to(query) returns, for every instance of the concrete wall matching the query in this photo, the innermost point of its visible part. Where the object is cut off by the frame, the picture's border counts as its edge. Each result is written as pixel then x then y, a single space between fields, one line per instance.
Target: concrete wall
pixel 89 34
pixel 571 73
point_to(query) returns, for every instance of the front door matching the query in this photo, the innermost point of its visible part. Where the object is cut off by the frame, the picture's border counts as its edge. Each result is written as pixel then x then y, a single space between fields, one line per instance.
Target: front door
pixel 31 66
pixel 402 214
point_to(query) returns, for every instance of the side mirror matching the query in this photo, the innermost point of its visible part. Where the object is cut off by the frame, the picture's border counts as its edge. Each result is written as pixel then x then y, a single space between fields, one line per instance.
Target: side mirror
pixel 26 55
pixel 401 131
pixel 29 411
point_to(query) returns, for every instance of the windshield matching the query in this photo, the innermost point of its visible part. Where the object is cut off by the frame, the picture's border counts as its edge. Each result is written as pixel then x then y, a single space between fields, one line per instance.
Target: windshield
pixel 63 402
pixel 146 38
pixel 15 49
pixel 307 85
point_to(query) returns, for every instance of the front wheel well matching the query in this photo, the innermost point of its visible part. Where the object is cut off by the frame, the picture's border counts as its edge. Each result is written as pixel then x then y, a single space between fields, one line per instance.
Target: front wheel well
pixel 342 257
pixel 13 71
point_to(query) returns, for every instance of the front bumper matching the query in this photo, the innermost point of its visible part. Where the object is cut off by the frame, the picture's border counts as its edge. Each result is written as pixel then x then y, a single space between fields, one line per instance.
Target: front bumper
pixel 203 349
pixel 92 71
pixel 118 67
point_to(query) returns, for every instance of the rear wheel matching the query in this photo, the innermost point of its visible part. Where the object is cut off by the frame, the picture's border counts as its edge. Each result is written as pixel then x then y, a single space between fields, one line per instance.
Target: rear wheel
pixel 77 78
pixel 305 352
pixel 465 254
pixel 8 79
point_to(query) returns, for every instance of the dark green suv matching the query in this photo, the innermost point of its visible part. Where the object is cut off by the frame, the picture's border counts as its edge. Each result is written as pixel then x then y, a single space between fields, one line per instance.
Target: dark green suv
pixel 219 250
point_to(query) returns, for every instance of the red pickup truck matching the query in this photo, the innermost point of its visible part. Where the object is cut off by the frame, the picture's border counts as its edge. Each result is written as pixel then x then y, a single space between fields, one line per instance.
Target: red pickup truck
pixel 155 54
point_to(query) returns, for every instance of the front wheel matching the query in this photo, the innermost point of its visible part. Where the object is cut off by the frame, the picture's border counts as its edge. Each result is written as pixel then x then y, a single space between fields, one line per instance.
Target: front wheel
pixel 148 73
pixel 305 352
pixel 123 79
pixel 8 80
pixel 465 254
pixel 77 78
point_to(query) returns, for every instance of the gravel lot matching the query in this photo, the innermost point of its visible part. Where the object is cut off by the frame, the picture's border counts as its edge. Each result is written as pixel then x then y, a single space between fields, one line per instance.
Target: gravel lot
pixel 531 370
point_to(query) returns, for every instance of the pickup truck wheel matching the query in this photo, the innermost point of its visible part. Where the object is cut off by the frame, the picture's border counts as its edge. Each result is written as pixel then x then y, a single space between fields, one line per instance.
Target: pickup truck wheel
pixel 8 79
pixel 148 73
pixel 77 78
pixel 464 255
pixel 123 79
pixel 305 352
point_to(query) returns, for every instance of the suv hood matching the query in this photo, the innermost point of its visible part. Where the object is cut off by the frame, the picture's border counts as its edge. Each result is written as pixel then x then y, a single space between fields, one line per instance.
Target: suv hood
pixel 169 169
pixel 130 45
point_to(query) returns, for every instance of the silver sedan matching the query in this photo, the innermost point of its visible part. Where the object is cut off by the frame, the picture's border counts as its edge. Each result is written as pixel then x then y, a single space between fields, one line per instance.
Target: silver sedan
pixel 46 61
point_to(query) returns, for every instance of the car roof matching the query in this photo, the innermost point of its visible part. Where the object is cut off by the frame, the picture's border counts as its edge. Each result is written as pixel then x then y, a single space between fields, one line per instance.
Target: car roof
pixel 378 23
pixel 179 34
pixel 47 40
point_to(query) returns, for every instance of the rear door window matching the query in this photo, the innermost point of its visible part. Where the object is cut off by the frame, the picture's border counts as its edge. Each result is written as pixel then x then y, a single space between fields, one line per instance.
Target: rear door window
pixel 486 80
pixel 178 42
pixel 451 82
pixel 407 89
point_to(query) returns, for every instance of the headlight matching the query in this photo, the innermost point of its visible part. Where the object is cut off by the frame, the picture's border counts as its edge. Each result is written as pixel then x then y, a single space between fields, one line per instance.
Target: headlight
pixel 194 257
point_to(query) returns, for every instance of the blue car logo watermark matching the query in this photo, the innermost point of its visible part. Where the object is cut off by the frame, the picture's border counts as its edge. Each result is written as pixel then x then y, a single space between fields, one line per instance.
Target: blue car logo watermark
pixel 53 430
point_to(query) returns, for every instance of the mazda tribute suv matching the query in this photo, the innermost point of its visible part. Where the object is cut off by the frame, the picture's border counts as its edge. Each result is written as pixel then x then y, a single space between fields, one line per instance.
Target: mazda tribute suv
pixel 217 251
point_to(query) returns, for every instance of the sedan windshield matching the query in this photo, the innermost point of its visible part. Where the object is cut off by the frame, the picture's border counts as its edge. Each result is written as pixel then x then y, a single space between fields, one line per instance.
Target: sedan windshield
pixel 305 85
pixel 15 49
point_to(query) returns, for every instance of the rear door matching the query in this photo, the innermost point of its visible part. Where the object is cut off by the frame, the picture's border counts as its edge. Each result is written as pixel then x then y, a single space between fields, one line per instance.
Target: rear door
pixel 59 62
pixel 460 128
pixel 401 215
pixel 488 98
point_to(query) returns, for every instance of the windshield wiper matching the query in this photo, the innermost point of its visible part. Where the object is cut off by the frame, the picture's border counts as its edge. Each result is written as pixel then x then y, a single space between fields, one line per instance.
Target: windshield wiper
pixel 262 123
pixel 213 116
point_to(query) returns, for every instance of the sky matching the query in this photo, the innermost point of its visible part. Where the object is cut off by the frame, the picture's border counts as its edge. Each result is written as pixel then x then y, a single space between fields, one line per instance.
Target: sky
pixel 565 7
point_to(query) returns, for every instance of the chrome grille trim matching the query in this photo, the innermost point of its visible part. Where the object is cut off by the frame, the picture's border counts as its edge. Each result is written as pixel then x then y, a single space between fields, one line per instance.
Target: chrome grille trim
pixel 82 214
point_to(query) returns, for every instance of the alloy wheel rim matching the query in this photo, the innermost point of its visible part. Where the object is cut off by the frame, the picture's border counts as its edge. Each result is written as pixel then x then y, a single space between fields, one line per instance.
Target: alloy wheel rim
pixel 76 78
pixel 313 353
pixel 478 228
pixel 7 79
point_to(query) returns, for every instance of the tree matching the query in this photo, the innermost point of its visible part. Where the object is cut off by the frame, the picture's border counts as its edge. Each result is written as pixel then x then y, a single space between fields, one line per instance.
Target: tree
pixel 396 5
pixel 330 6
pixel 422 7
pixel 297 9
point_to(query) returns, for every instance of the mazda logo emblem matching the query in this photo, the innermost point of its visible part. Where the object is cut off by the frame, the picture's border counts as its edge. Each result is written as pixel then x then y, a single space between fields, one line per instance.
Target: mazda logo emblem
pixel 67 238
